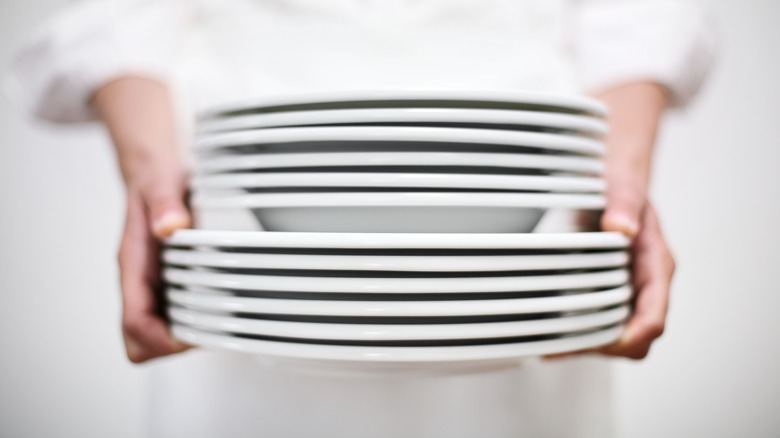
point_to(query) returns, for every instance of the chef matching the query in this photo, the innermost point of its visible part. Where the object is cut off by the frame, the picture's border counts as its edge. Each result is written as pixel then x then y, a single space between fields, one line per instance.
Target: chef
pixel 144 67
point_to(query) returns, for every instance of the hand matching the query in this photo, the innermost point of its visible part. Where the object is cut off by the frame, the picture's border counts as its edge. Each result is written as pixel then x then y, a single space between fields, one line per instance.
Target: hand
pixel 652 269
pixel 635 111
pixel 139 115
pixel 155 208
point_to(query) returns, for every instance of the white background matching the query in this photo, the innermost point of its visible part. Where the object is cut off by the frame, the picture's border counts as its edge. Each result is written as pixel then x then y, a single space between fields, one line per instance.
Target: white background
pixel 717 185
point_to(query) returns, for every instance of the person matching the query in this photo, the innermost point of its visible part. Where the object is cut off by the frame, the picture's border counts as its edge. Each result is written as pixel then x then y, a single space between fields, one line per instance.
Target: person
pixel 142 67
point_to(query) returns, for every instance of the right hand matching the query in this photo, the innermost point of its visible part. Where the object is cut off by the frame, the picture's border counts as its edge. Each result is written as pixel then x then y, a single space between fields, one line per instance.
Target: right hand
pixel 140 117
pixel 155 208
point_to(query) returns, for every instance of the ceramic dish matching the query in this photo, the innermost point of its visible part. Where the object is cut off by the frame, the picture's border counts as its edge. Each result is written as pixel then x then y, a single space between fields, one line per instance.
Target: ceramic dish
pixel 397 354
pixel 250 239
pixel 400 180
pixel 399 199
pixel 220 301
pixel 414 219
pixel 386 212
pixel 337 139
pixel 397 332
pixel 419 116
pixel 486 99
pixel 414 263
pixel 464 160
pixel 394 285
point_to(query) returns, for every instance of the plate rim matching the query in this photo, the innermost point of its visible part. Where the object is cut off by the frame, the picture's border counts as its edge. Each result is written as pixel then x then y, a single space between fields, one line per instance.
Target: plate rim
pixel 561 303
pixel 399 180
pixel 398 332
pixel 443 285
pixel 342 199
pixel 396 354
pixel 223 163
pixel 569 101
pixel 393 263
pixel 401 134
pixel 581 123
pixel 293 239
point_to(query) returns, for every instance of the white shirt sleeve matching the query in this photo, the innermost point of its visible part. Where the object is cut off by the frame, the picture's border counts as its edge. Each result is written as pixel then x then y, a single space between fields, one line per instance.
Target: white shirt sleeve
pixel 670 42
pixel 55 74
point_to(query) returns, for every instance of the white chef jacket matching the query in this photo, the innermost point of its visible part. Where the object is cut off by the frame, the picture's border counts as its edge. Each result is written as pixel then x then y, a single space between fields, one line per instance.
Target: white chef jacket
pixel 212 51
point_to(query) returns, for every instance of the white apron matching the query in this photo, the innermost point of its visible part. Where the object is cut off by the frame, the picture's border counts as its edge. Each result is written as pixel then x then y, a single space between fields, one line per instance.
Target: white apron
pixel 264 48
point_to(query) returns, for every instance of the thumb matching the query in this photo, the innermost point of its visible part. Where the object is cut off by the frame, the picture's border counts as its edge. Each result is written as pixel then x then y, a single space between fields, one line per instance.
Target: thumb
pixel 624 209
pixel 168 212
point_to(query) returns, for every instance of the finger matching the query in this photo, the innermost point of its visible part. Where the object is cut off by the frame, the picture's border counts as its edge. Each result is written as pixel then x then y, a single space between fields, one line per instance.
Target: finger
pixel 561 356
pixel 146 334
pixel 653 271
pixel 147 337
pixel 625 202
pixel 165 200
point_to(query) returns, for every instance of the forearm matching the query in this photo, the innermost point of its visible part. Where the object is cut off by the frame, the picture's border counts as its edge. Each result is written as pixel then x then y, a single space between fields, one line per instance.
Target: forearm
pixel 139 115
pixel 635 112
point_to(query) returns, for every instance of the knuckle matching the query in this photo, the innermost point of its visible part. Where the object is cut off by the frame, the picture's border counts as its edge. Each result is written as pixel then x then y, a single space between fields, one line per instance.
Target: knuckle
pixel 671 261
pixel 132 328
pixel 124 252
pixel 120 257
pixel 654 330
pixel 135 357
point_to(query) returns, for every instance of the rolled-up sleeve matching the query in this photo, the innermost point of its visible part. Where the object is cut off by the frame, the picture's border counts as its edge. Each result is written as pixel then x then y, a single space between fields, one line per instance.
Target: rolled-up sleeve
pixel 56 73
pixel 668 42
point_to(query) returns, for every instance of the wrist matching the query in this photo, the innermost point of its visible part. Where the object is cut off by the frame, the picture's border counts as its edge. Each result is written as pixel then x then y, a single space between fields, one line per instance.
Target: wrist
pixel 141 162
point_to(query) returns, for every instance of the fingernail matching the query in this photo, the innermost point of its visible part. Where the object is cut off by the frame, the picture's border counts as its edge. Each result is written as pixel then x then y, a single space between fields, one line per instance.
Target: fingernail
pixel 625 337
pixel 558 356
pixel 168 223
pixel 622 222
pixel 178 345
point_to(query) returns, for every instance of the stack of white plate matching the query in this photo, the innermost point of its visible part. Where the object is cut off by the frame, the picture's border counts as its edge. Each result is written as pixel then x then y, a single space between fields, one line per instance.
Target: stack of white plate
pixel 397 297
pixel 411 161
pixel 399 229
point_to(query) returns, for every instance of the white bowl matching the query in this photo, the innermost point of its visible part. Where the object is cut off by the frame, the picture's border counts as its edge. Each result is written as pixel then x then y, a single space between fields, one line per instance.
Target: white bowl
pixel 391 212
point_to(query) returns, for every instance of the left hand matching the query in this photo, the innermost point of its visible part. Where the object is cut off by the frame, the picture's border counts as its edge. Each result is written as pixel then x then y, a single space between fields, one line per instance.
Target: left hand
pixel 652 270
pixel 635 112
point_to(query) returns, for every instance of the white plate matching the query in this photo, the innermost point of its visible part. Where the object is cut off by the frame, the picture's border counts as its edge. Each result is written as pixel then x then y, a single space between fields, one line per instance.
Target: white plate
pixel 397 332
pixel 490 99
pixel 374 159
pixel 402 199
pixel 252 239
pixel 396 354
pixel 326 136
pixel 400 180
pixel 537 119
pixel 281 283
pixel 220 302
pixel 413 263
